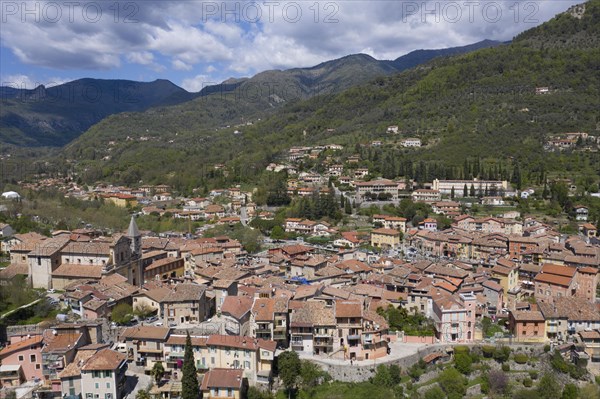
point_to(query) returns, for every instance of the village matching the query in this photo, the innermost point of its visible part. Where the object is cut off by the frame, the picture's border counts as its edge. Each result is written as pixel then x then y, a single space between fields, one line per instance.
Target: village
pixel 459 277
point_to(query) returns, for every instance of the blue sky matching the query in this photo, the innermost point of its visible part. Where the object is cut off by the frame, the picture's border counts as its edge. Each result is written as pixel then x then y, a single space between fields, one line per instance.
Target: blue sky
pixel 198 43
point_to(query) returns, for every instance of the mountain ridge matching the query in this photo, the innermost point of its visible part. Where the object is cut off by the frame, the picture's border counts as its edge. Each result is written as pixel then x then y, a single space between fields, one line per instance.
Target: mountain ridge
pixel 46 115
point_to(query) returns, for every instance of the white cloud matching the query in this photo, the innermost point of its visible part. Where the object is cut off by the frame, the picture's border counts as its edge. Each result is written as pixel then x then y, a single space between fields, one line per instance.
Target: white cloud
pixel 196 83
pixel 192 35
pixel 181 66
pixel 28 82
pixel 141 57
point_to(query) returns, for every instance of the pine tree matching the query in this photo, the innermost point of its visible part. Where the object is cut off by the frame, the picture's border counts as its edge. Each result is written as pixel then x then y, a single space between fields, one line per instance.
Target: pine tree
pixel 452 192
pixel 189 380
pixel 465 191
pixel 472 190
pixel 348 208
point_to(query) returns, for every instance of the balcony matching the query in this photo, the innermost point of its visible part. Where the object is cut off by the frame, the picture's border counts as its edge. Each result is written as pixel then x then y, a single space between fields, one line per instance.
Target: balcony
pixel 279 337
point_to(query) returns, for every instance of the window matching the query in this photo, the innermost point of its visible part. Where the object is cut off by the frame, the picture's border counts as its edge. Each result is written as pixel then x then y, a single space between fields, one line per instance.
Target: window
pixel 89 396
pixel 97 386
pixel 21 358
pixel 229 392
pixel 108 385
pixel 32 358
pixel 212 361
pixel 37 366
pixel 246 364
pixel 108 396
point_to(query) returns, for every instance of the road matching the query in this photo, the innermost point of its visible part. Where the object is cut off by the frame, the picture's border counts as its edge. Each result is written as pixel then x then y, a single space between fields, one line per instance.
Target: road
pixel 21 307
pixel 136 381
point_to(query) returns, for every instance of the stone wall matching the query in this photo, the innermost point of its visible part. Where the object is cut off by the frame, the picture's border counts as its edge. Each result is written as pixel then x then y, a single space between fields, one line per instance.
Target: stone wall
pixel 356 373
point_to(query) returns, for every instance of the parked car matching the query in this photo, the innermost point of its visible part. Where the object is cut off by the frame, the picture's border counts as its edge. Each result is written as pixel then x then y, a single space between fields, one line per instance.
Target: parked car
pixel 151 319
pixel 158 323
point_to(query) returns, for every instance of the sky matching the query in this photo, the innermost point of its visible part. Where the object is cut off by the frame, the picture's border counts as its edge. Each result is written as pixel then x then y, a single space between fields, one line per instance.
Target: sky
pixel 199 43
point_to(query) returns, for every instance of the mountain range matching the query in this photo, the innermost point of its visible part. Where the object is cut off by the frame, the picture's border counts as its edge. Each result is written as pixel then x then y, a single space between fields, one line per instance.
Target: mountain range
pixel 480 105
pixel 56 115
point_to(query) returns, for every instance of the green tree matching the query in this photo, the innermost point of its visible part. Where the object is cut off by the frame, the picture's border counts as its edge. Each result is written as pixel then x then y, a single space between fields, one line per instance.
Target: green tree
pixel 395 374
pixel 382 376
pixel 289 367
pixel 435 393
pixel 189 381
pixel 465 191
pixel 570 391
pixel 122 313
pixel 548 387
pixel 311 375
pixel 502 353
pixel 158 371
pixel 589 391
pixel 277 233
pixel 255 393
pixel 453 383
pixel 348 208
pixel 463 363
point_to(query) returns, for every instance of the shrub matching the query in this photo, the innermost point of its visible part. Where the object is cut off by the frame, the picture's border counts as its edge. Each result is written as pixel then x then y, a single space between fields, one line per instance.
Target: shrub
pixel 597 379
pixel 533 374
pixel 505 367
pixel 546 348
pixel 521 358
pixel 488 351
pixel 502 353
pixel 527 382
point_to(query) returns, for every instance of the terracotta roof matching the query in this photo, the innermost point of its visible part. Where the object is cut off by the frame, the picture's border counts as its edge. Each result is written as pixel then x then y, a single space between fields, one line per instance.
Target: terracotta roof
pixel 156 294
pixel 73 369
pixel 558 270
pixel 492 285
pixel 60 342
pixel 263 309
pixel 185 292
pixel 26 343
pixel 223 378
pixel 240 342
pixel 14 269
pixel 594 334
pixel 162 262
pixel 384 231
pixel 146 332
pixel 106 359
pixel 525 315
pixel 348 309
pixel 180 340
pixel 311 313
pixel 78 271
pixel 87 248
pixel 553 279
pixel 572 308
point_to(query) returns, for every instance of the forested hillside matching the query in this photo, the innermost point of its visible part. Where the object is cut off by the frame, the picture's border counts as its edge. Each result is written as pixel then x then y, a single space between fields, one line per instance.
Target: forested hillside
pixel 481 107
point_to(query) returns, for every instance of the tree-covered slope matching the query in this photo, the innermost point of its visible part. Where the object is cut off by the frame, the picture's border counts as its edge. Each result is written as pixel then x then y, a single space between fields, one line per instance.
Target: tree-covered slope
pixel 479 105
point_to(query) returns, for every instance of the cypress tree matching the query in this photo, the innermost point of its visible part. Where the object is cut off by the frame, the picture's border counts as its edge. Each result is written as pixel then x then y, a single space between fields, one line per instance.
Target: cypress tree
pixel 465 191
pixel 189 380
